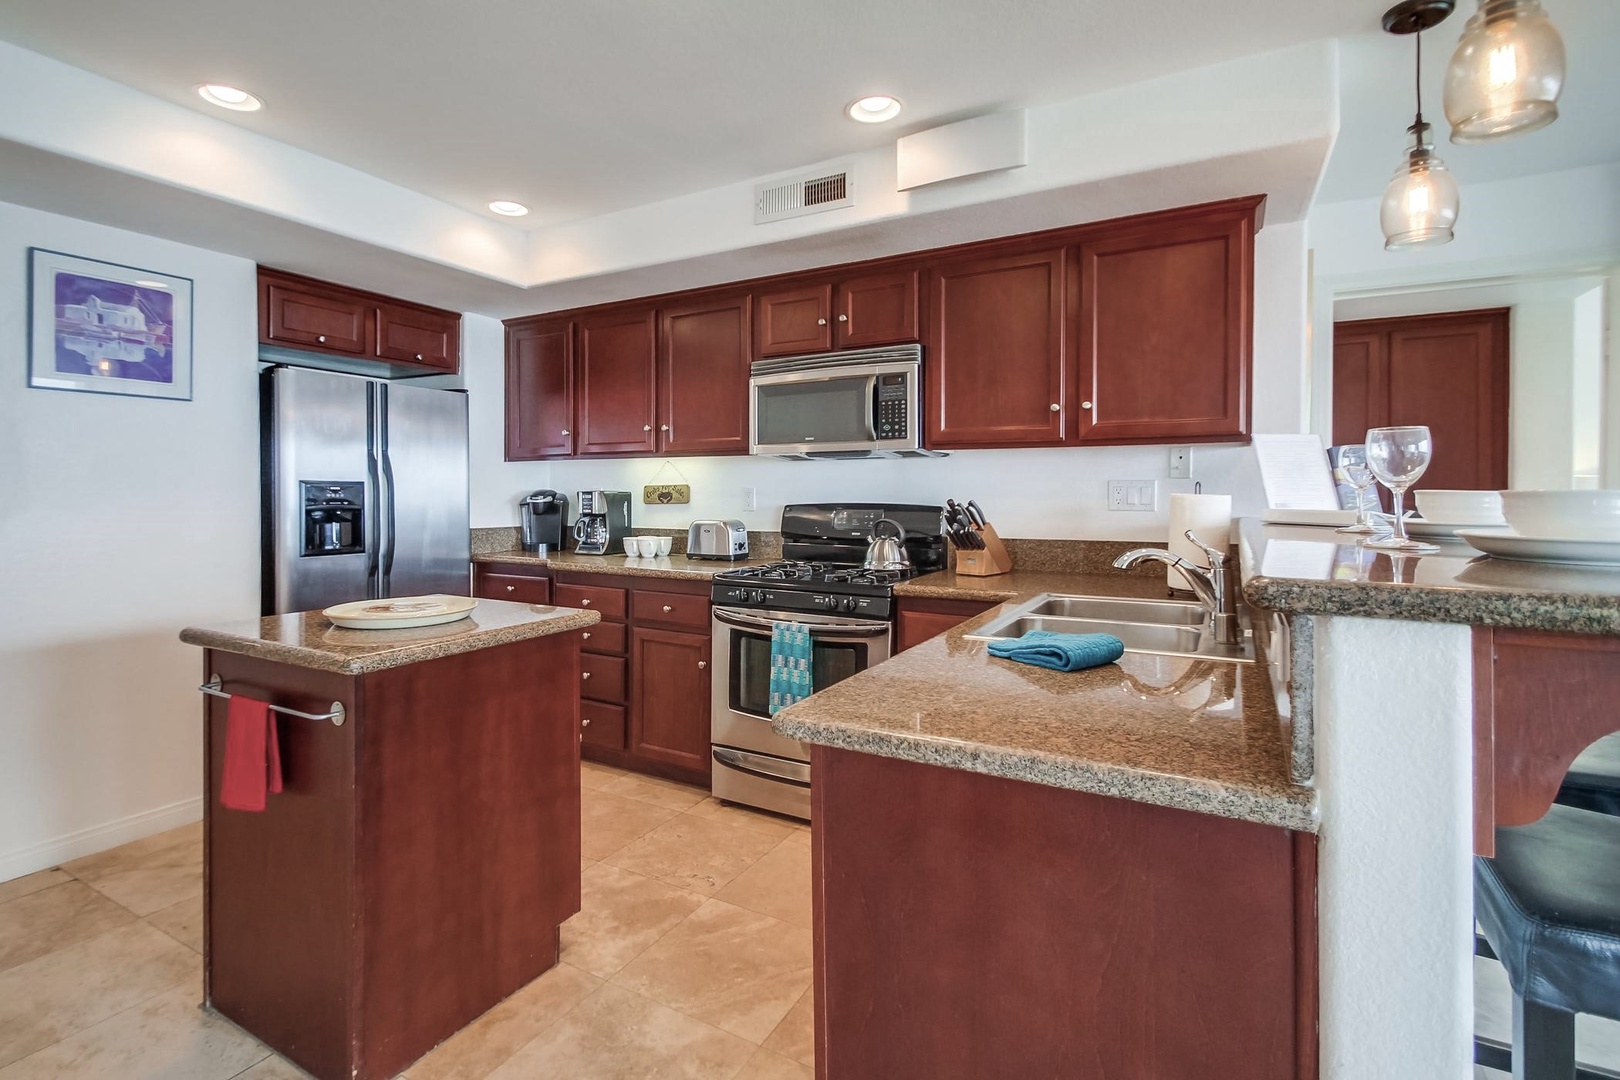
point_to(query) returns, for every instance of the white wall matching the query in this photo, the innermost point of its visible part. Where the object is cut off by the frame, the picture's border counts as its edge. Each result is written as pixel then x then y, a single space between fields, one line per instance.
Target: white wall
pixel 121 520
pixel 1057 493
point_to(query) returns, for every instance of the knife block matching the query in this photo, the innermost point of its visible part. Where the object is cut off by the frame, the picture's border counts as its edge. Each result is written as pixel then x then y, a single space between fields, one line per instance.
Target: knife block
pixel 991 561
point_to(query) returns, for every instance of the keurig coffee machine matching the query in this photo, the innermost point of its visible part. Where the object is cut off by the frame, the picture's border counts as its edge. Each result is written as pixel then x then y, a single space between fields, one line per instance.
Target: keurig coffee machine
pixel 604 521
pixel 545 521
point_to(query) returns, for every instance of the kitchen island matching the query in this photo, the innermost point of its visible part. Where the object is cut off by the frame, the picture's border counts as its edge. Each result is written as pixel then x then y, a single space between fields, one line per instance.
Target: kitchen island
pixel 425 847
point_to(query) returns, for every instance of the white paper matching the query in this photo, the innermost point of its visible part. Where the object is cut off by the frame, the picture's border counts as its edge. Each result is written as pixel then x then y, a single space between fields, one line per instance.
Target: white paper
pixel 1311 560
pixel 1294 470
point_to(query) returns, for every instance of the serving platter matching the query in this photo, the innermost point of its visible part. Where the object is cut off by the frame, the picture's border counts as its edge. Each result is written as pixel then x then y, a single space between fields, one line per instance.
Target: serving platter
pixel 401 612
pixel 1547 549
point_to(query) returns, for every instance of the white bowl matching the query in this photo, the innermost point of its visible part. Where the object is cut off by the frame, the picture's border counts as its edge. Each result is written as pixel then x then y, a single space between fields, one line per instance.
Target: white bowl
pixel 664 544
pixel 1564 515
pixel 1460 507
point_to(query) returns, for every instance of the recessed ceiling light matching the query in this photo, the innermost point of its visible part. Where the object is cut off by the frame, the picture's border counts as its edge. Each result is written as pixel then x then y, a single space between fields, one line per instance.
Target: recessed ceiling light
pixel 508 208
pixel 874 109
pixel 229 97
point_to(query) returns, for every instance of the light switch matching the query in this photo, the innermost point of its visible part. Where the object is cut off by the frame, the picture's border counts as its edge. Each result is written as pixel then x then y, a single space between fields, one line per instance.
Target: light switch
pixel 1133 495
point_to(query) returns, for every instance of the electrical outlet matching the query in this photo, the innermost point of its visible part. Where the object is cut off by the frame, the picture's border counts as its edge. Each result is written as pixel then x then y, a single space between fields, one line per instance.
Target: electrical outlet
pixel 1181 463
pixel 1133 495
pixel 749 501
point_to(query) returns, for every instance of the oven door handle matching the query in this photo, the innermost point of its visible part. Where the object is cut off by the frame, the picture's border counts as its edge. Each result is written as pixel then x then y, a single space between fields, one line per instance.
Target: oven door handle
pixel 842 629
pixel 775 770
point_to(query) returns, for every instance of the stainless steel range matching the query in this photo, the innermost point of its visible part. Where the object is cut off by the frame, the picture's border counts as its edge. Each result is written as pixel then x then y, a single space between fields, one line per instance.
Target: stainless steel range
pixel 848 610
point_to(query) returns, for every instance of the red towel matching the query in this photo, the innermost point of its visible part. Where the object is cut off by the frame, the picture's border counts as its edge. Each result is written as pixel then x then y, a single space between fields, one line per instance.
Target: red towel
pixel 252 755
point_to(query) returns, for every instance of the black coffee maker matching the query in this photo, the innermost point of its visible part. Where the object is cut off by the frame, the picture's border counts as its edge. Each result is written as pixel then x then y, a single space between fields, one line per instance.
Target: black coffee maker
pixel 545 521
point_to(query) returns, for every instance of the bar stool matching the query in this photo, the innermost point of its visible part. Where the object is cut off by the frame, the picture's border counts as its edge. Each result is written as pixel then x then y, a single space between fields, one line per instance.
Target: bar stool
pixel 1549 903
pixel 1593 782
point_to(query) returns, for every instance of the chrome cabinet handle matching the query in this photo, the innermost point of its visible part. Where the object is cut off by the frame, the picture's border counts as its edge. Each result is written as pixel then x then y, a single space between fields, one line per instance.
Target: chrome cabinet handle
pixel 419 356
pixel 646 427
pixel 821 322
pixel 585 722
pixel 1085 404
pixel 321 339
pixel 584 675
pixel 511 588
pixel 567 432
pixel 1056 407
pixel 586 602
pixel 587 635
pixel 843 318
pixel 663 427
pixel 668 609
pixel 702 664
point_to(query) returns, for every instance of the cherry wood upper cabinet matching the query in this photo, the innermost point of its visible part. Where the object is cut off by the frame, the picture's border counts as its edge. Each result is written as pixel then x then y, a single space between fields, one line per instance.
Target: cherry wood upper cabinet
pixel 418 335
pixel 540 390
pixel 995 367
pixel 617 408
pixel 1165 328
pixel 878 309
pixel 303 313
pixel 703 357
pixel 795 320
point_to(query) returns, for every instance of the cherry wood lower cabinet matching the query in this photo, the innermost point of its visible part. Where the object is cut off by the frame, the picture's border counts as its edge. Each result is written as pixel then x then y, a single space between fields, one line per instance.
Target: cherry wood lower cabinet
pixel 971 926
pixel 916 619
pixel 671 672
pixel 415 868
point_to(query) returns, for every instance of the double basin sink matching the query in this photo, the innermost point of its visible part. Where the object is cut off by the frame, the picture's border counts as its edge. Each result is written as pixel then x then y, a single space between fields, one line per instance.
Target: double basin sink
pixel 1160 627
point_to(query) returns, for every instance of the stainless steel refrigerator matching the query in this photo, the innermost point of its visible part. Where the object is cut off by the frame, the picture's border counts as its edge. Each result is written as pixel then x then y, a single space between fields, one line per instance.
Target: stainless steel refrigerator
pixel 364 489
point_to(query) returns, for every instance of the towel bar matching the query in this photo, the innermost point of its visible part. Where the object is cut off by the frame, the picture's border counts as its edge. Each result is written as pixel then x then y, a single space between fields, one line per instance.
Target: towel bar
pixel 214 687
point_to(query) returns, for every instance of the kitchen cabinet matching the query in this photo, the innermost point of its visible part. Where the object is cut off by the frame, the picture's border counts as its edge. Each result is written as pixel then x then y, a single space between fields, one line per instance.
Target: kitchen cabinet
pixel 616 371
pixel 876 309
pixel 318 316
pixel 520 588
pixel 671 673
pixel 703 356
pixel 418 336
pixel 540 390
pixel 795 320
pixel 997 374
pixel 916 620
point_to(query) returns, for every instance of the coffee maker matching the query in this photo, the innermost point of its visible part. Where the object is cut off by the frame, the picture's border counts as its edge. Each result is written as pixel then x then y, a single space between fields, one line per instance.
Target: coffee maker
pixel 604 521
pixel 545 521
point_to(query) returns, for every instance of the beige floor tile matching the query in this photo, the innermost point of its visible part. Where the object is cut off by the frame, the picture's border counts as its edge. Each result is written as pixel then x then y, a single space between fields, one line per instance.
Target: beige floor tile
pixel 478 1049
pixel 695 853
pixel 777 885
pixel 184 922
pixel 620 915
pixel 618 1035
pixel 727 966
pixel 738 815
pixel 609 822
pixel 166 1036
pixel 32 883
pixel 659 792
pixel 593 776
pixel 765 1065
pixel 795 1036
pixel 273 1068
pixel 147 875
pixel 69 990
pixel 54 918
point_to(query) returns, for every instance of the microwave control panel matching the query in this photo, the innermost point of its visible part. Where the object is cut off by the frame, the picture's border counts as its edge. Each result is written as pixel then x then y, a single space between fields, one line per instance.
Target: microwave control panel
pixel 893 406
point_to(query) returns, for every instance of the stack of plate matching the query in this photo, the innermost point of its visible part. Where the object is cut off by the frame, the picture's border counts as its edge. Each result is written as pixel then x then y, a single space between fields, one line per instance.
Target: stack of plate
pixel 1445 513
pixel 1576 527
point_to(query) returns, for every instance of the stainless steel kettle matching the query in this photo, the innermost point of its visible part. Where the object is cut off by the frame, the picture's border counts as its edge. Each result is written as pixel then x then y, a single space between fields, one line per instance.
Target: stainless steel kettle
pixel 887 552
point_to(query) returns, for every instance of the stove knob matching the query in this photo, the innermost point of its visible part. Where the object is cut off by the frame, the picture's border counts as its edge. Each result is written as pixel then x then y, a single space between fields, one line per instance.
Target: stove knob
pixel 759 596
pixel 849 603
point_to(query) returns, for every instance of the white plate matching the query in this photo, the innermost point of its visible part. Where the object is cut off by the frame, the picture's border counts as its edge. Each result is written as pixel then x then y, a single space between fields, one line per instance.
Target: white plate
pixel 1309 517
pixel 1510 545
pixel 401 612
pixel 1443 529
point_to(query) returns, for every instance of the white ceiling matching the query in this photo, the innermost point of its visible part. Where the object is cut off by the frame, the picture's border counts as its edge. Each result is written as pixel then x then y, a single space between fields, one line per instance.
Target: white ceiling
pixel 1376 104
pixel 579 109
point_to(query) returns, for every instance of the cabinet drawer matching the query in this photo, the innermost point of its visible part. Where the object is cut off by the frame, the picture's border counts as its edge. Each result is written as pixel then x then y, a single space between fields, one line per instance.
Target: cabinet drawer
pixel 604 637
pixel 602 725
pixel 516 587
pixel 602 678
pixel 610 602
pixel 681 610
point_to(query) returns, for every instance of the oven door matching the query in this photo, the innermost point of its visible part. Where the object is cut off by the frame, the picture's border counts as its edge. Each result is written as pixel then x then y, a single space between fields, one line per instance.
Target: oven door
pixel 742 671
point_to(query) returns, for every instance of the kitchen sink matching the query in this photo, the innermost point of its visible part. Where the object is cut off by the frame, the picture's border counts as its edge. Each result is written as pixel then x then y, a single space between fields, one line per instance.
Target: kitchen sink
pixel 1160 627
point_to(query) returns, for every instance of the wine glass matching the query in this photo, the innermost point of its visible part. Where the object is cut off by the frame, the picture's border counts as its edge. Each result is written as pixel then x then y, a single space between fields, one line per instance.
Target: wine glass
pixel 1398 456
pixel 1353 463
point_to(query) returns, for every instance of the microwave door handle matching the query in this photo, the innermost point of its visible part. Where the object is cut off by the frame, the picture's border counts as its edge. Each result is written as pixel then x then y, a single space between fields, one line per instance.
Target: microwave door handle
pixel 872 407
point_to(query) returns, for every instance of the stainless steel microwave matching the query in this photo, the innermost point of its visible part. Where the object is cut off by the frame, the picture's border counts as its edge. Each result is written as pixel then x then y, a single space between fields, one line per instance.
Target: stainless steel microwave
pixel 853 404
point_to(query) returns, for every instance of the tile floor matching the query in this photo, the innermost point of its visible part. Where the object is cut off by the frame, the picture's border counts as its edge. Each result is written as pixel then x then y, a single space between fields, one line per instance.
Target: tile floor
pixel 689 960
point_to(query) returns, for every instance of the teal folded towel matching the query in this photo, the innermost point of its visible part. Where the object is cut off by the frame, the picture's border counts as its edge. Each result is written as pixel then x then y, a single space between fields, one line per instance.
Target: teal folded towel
pixel 792 665
pixel 1060 652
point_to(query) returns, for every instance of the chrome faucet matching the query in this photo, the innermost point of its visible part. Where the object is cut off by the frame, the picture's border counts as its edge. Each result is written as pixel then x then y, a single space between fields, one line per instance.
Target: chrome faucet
pixel 1215 587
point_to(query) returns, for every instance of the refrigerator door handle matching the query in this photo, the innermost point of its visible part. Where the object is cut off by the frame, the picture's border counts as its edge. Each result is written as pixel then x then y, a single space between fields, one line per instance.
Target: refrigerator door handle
pixel 387 508
pixel 374 522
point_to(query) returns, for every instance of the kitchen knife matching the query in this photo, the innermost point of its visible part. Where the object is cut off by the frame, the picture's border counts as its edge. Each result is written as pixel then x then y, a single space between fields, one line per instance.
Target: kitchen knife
pixel 976 515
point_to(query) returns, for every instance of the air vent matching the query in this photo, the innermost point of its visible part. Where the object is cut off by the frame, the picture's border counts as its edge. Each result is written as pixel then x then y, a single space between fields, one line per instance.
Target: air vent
pixel 807 193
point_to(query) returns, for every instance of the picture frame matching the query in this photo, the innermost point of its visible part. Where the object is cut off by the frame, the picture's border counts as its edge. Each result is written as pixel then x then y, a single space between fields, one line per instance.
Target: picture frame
pixel 105 328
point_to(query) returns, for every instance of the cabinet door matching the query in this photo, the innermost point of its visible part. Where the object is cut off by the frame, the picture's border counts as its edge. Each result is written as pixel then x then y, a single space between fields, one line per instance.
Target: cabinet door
pixel 539 391
pixel 1165 315
pixel 414 335
pixel 296 312
pixel 797 320
pixel 617 360
pixel 917 621
pixel 703 377
pixel 995 370
pixel 1360 382
pixel 669 721
pixel 879 309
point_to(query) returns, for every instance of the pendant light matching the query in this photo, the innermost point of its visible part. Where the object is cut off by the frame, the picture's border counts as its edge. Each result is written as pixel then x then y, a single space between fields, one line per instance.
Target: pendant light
pixel 1506 75
pixel 1420 204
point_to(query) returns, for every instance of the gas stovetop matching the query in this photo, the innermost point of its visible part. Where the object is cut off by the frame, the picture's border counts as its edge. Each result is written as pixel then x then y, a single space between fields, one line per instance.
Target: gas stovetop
pixel 793 586
pixel 829 577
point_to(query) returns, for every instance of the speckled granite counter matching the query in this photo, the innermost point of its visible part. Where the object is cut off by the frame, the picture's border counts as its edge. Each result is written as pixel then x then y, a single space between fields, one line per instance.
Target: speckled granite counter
pixel 665 566
pixel 1198 735
pixel 308 639
pixel 1311 571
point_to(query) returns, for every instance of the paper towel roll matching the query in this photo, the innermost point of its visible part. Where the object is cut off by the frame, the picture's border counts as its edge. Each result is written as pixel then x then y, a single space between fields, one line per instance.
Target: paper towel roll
pixel 1210 516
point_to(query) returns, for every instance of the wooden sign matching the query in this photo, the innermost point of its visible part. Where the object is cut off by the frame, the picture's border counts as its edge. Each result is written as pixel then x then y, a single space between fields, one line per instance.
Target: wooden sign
pixel 666 494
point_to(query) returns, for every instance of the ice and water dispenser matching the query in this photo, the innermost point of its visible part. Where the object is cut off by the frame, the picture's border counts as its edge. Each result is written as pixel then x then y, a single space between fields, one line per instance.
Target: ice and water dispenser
pixel 334 517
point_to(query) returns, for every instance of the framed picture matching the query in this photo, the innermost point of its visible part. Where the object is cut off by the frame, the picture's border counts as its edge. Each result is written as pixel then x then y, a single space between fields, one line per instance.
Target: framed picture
pixel 102 328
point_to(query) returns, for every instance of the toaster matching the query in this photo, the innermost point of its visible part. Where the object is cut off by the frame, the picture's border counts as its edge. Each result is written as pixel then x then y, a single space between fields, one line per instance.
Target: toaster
pixel 717 540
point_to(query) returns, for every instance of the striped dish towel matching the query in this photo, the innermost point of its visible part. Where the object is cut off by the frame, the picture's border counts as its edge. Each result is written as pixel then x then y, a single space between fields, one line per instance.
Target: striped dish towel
pixel 792 665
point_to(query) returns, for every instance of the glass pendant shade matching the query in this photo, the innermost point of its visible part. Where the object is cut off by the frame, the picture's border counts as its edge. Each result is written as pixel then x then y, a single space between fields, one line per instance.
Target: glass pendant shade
pixel 1506 75
pixel 1420 204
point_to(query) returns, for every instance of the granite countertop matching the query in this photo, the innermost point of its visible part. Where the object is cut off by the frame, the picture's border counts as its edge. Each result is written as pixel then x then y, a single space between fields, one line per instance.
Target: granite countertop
pixel 1317 571
pixel 664 566
pixel 1199 735
pixel 308 639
